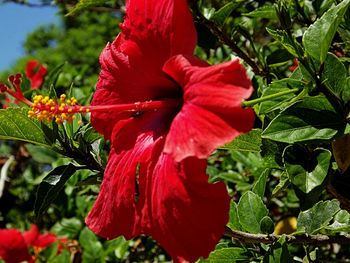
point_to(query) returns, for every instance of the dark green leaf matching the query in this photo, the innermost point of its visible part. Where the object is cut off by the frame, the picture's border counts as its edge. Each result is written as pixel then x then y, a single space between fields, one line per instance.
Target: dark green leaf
pixel 250 142
pixel 15 125
pixel 266 225
pixel 278 57
pixel 334 75
pixel 50 252
pixel 251 210
pixel 63 257
pixel 318 37
pixel 278 253
pixel 313 118
pixel 228 255
pixel 221 15
pixel 341 222
pixel 281 101
pixel 283 183
pixel 306 170
pixel 346 91
pixel 318 216
pixel 50 187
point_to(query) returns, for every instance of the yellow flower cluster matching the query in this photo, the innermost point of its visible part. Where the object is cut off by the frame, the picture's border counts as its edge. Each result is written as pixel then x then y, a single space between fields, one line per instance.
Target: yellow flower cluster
pixel 44 108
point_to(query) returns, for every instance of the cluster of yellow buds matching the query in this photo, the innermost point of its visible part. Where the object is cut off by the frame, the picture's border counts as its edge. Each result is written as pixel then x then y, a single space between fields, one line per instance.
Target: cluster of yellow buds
pixel 44 108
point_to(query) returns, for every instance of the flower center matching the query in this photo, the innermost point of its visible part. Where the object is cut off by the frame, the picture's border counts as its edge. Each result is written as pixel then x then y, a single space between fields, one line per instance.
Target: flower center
pixel 43 108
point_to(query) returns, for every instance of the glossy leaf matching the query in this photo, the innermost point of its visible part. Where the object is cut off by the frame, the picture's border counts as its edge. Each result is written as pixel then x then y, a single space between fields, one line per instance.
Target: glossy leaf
pixel 15 125
pixel 318 37
pixel 41 154
pixel 266 225
pixel 68 227
pixel 318 216
pixel 287 41
pixel 313 118
pixel 251 210
pixel 306 170
pixel 341 222
pixel 267 11
pixel 51 186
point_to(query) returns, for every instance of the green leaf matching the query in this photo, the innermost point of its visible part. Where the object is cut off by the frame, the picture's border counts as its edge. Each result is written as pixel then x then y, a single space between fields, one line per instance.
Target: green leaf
pixel 341 222
pixel 41 154
pixel 283 183
pixel 228 255
pixel 288 42
pixel 334 75
pixel 306 170
pixel 233 221
pixel 278 252
pixel 92 248
pixel 50 252
pixel 251 210
pixel 51 186
pixel 346 91
pixel 260 184
pixel 221 15
pixel 318 37
pixel 63 257
pixel 267 11
pixel 318 216
pixel 67 227
pixel 313 118
pixel 266 225
pixel 281 101
pixel 250 142
pixel 15 125
pixel 83 4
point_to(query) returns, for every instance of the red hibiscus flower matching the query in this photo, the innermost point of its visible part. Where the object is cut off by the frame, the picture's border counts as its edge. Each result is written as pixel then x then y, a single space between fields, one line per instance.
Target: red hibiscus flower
pixel 155 182
pixel 14 245
pixel 13 248
pixel 35 73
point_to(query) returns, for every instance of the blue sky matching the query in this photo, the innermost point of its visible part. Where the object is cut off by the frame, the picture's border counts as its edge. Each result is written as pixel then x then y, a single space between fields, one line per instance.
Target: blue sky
pixel 15 22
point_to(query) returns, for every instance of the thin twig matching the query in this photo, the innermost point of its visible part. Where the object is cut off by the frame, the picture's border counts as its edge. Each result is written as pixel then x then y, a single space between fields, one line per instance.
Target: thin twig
pixel 229 42
pixel 304 238
pixel 344 202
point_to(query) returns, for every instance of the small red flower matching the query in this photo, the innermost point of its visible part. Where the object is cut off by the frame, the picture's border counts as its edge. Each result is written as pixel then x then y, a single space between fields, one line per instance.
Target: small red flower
pixel 155 182
pixel 14 245
pixel 35 73
pixel 13 248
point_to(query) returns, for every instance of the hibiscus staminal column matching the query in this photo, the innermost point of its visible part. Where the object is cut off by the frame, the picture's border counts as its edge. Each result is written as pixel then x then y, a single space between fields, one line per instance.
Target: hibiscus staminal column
pixel 63 109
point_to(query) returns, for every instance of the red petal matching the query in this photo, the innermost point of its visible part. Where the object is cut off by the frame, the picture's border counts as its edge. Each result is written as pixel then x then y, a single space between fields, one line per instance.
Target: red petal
pixel 114 212
pixel 12 246
pixel 212 113
pixel 131 67
pixel 187 214
pixel 30 68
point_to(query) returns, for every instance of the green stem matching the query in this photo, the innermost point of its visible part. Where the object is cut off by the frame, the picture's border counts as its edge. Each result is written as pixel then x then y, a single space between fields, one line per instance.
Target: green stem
pixel 250 103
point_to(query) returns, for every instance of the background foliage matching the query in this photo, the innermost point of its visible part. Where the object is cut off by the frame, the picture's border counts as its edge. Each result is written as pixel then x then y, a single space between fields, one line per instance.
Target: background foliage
pixel 289 175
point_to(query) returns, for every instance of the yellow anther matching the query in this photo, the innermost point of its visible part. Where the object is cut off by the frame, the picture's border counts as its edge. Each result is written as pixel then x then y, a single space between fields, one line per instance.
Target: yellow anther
pixel 63 97
pixel 69 102
pixel 45 112
pixel 87 110
pixel 61 108
pixel 74 117
pixel 70 110
pixel 62 105
pixel 30 112
pixel 81 109
pixel 80 122
pixel 52 108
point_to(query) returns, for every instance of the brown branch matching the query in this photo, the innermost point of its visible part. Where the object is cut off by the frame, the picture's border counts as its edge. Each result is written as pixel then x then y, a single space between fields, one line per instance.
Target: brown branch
pixel 229 42
pixel 344 202
pixel 304 238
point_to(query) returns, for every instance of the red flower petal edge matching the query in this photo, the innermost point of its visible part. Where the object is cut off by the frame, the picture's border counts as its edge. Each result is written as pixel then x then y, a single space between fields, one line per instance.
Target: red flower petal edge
pixel 13 248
